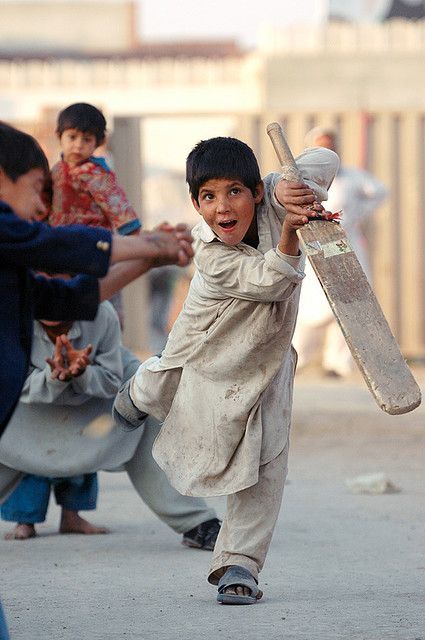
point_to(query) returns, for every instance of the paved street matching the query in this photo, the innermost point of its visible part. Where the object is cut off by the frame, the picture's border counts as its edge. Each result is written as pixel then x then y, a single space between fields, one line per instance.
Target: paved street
pixel 341 566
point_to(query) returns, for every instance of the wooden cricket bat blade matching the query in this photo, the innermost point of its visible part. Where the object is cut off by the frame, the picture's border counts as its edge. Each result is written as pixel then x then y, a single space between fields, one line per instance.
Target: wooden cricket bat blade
pixel 360 317
pixel 366 331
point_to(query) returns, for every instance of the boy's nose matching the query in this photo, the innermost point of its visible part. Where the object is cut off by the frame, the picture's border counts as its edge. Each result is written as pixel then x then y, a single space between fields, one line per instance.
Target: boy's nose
pixel 222 205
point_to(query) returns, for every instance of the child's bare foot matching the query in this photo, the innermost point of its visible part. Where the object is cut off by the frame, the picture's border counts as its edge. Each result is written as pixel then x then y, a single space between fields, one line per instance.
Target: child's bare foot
pixel 22 531
pixel 71 522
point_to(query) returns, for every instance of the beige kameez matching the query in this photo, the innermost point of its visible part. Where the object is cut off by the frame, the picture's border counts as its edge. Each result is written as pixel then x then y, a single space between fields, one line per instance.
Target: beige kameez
pixel 223 385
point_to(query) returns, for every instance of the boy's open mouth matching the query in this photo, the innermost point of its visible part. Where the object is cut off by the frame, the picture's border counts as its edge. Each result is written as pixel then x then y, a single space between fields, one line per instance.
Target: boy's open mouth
pixel 229 224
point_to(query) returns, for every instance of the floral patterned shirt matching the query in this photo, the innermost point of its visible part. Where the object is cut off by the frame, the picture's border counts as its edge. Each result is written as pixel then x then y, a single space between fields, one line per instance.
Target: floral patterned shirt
pixel 89 194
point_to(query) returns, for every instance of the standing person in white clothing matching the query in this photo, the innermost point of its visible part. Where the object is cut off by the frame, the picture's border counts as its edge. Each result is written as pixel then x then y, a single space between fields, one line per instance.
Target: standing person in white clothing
pixel 357 193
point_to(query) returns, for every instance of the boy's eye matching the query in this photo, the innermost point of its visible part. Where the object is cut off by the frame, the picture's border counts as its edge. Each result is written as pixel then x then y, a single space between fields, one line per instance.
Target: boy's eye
pixel 208 196
pixel 234 191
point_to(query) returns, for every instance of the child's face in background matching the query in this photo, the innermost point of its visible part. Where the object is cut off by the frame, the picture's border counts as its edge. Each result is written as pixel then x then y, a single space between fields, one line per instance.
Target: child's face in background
pixel 228 207
pixel 24 195
pixel 327 141
pixel 77 146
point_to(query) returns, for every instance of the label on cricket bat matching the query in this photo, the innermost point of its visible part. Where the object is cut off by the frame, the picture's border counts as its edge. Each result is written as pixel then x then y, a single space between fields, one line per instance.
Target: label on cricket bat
pixel 334 248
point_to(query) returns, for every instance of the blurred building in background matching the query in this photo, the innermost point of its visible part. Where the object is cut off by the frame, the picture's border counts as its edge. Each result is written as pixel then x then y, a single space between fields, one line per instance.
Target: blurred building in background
pixel 364 78
pixel 60 26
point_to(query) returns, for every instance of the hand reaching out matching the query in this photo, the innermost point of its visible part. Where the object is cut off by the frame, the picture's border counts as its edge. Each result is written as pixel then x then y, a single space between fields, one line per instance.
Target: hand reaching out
pixel 67 362
pixel 174 244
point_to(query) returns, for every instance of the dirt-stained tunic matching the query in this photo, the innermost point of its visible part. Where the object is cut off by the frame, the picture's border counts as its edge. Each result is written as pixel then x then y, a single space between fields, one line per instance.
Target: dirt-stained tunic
pixel 223 385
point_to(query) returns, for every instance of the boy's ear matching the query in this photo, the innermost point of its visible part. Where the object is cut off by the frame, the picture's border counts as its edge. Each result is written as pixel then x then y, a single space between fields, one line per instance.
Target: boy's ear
pixel 101 141
pixel 259 192
pixel 196 204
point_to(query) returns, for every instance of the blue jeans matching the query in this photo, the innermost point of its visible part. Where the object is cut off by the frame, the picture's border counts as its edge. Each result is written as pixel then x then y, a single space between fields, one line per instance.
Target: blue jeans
pixel 29 501
pixel 4 634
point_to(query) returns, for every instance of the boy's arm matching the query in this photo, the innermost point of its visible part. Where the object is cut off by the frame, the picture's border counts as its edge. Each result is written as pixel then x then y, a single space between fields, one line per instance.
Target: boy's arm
pixel 83 249
pixel 303 199
pixel 120 275
pixel 37 246
pixel 165 245
pixel 78 298
pixel 41 388
pixel 227 272
pixel 44 386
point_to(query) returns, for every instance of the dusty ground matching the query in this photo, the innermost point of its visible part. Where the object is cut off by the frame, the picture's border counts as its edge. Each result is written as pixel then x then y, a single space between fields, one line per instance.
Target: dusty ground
pixel 340 566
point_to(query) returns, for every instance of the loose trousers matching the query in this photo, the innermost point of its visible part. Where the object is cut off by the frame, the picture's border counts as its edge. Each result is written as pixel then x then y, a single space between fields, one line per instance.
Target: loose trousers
pixel 179 512
pixel 250 519
pixel 30 500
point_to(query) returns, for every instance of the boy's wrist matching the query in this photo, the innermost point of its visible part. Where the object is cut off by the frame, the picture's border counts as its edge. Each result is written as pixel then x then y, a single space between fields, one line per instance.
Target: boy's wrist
pixel 289 243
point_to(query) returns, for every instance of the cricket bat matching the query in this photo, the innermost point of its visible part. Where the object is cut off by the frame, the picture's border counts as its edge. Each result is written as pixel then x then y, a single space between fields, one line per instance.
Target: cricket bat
pixel 366 331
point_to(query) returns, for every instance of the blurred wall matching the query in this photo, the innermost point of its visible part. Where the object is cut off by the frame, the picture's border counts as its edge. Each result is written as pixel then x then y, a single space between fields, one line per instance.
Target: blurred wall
pixel 58 25
pixel 366 80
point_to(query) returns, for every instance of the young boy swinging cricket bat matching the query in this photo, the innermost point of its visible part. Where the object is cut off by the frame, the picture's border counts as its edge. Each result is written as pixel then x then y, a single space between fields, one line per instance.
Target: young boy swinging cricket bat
pixel 223 385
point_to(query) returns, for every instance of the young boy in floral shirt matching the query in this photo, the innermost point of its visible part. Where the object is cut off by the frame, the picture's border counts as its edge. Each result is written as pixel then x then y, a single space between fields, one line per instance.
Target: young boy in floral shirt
pixel 84 189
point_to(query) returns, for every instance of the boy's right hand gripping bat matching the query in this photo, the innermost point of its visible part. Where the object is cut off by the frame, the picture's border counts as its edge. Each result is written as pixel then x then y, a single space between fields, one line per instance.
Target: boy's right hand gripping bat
pixel 353 302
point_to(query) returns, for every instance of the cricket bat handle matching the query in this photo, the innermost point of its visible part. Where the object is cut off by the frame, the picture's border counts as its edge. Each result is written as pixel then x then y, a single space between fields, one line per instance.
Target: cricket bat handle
pixel 289 168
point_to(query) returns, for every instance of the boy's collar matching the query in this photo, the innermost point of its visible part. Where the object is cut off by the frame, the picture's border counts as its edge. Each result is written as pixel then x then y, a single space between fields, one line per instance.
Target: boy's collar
pixel 206 233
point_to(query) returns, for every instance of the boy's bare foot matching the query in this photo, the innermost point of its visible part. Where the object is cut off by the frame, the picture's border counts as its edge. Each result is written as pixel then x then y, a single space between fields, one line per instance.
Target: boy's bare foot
pixel 71 522
pixel 21 531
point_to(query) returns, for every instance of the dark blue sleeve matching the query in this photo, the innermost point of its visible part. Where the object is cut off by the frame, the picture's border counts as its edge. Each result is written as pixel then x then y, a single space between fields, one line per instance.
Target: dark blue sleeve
pixel 74 248
pixel 56 299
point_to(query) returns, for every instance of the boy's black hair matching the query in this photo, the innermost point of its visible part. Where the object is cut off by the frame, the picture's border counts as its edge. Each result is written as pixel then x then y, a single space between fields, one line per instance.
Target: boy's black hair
pixel 84 117
pixel 221 158
pixel 19 153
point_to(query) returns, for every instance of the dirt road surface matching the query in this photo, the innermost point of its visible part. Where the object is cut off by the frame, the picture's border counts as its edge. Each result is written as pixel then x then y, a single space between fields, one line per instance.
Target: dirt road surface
pixel 341 566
